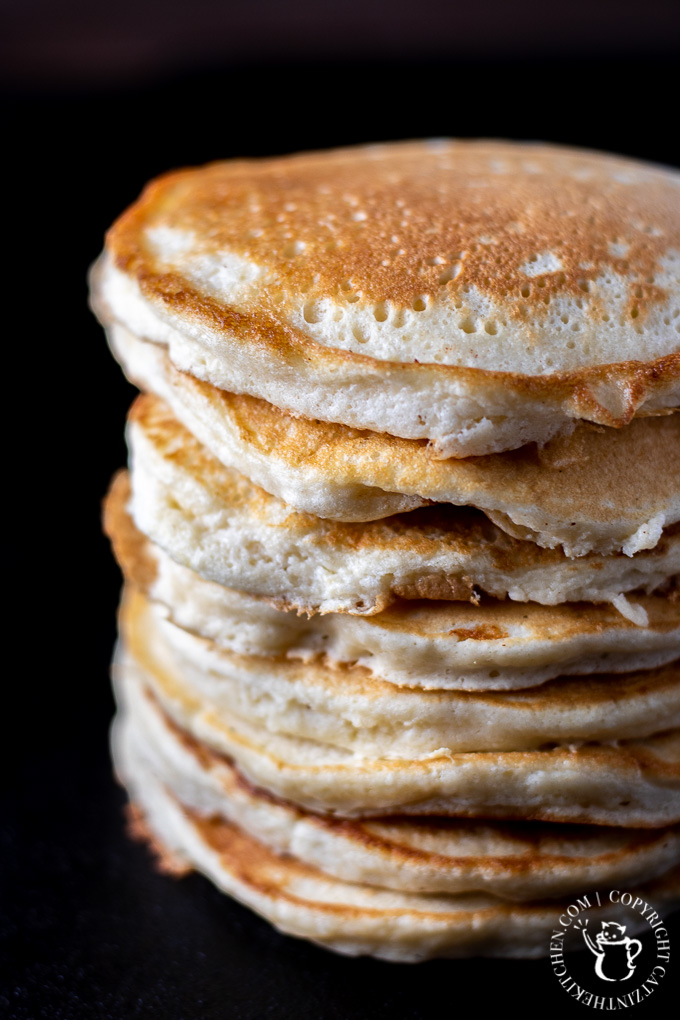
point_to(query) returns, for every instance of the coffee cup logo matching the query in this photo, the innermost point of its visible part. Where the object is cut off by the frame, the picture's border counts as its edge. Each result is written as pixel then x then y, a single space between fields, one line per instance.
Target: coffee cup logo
pixel 619 969
pixel 614 952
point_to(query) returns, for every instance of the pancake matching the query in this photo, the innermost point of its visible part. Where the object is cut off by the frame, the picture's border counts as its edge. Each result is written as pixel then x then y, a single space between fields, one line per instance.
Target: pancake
pixel 213 520
pixel 349 918
pixel 629 783
pixel 479 295
pixel 516 861
pixel 598 490
pixel 445 645
pixel 345 707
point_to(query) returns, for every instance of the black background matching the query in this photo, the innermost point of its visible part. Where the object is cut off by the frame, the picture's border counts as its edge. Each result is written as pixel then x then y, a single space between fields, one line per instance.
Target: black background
pixel 88 928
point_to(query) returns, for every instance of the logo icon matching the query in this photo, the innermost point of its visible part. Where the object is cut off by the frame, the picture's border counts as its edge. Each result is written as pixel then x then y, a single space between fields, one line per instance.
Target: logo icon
pixel 618 970
pixel 614 952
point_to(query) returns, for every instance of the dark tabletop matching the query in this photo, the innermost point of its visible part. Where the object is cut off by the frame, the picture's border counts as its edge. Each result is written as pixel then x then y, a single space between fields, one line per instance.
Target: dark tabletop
pixel 88 929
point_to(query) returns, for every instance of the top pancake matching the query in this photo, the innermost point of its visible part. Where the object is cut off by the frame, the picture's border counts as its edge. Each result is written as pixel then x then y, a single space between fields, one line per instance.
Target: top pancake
pixel 477 294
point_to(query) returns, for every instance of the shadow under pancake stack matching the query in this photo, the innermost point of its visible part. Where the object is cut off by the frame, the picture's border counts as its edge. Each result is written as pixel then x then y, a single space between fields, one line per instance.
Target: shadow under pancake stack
pixel 399 638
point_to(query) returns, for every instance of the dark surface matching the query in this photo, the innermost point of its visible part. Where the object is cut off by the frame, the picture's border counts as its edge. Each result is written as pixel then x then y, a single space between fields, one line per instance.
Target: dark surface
pixel 88 928
pixel 95 932
pixel 135 40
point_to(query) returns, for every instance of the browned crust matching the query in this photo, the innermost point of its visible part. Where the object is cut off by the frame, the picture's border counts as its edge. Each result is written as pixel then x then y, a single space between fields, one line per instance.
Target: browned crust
pixel 220 834
pixel 138 829
pixel 609 468
pixel 636 380
pixel 559 693
pixel 254 859
pixel 132 551
pixel 630 756
pixel 447 589
pixel 135 557
pixel 521 863
pixel 264 872
pixel 212 199
pixel 424 529
pixel 131 548
pixel 529 833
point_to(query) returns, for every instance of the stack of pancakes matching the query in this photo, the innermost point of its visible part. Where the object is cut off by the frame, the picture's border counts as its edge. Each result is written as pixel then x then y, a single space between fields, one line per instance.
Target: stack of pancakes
pixel 400 634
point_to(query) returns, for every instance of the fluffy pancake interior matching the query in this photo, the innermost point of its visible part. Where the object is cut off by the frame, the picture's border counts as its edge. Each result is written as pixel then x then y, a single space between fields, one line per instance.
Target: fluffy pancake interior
pixel 347 917
pixel 595 490
pixel 213 520
pixel 346 707
pixel 517 861
pixel 453 645
pixel 635 783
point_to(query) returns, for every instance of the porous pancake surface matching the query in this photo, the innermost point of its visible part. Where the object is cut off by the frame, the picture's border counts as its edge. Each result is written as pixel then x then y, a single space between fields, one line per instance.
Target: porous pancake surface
pixel 445 645
pixel 477 294
pixel 627 783
pixel 515 860
pixel 350 918
pixel 212 519
pixel 595 490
